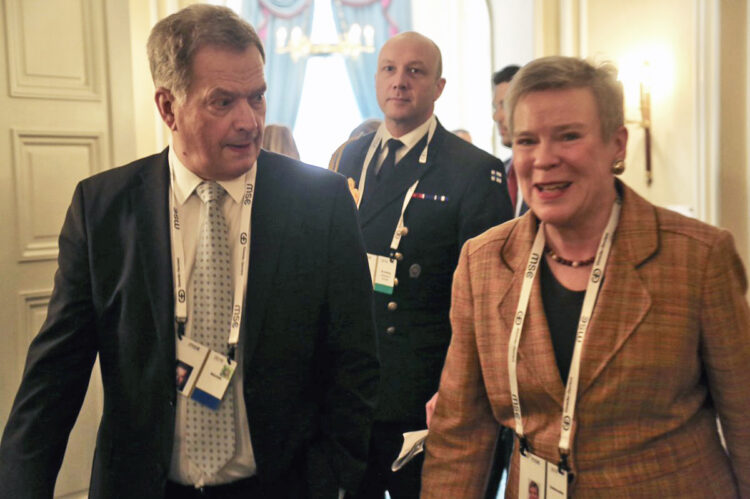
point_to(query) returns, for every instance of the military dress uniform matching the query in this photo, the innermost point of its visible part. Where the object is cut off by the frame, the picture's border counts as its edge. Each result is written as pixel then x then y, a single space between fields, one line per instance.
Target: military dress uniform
pixel 460 193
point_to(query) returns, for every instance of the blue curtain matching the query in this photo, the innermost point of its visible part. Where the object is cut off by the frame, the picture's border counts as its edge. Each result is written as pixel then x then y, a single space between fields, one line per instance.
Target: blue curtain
pixel 387 17
pixel 284 76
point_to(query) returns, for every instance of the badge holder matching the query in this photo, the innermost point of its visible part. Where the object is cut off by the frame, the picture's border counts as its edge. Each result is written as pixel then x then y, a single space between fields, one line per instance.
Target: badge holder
pixel 201 373
pixel 539 478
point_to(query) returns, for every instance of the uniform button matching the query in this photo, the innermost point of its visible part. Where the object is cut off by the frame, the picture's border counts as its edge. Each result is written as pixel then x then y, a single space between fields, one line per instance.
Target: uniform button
pixel 404 231
pixel 415 270
pixel 392 306
pixel 399 256
pixel 390 330
pixel 395 281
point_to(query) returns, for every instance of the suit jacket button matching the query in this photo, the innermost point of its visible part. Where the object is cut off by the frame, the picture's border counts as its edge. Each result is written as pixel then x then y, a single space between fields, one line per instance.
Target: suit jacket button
pixel 398 256
pixel 404 231
pixel 395 281
pixel 392 306
pixel 415 270
pixel 390 330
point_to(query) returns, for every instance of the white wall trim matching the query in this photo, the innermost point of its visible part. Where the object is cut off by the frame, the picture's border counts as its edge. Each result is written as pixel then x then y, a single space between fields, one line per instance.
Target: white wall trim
pixel 747 122
pixel 708 109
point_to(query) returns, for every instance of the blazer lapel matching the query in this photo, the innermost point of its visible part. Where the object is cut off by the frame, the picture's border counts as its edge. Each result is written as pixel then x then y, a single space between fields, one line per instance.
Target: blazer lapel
pixel 536 357
pixel 268 223
pixel 623 300
pixel 150 204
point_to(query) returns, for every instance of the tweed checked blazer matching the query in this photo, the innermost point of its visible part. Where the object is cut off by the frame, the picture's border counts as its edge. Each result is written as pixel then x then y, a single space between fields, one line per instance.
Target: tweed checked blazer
pixel 667 349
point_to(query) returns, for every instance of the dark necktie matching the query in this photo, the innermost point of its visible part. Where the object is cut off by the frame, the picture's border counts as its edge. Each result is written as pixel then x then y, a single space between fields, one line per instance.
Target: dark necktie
pixel 389 163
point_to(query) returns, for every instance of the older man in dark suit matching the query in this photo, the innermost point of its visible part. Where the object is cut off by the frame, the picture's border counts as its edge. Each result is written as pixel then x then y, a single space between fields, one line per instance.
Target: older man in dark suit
pixel 424 191
pixel 243 268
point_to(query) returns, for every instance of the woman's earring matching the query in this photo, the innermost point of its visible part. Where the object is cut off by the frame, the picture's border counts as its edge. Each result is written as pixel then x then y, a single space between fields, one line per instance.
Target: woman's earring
pixel 618 166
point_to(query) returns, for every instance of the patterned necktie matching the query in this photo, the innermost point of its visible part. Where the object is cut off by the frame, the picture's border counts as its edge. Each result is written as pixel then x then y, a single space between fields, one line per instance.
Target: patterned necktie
pixel 211 433
pixel 389 163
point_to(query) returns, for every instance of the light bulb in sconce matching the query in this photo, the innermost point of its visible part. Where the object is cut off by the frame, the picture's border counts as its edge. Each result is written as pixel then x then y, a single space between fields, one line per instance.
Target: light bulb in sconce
pixel 637 81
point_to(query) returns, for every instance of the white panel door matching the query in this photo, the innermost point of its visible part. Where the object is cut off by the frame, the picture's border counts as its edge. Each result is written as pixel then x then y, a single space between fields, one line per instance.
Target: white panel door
pixel 61 121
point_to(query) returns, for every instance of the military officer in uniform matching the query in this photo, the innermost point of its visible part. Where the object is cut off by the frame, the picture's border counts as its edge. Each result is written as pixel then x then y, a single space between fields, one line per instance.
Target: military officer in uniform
pixel 421 192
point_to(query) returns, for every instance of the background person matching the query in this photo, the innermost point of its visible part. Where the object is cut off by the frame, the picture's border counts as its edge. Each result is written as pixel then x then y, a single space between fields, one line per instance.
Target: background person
pixel 665 349
pixel 501 82
pixel 279 138
pixel 459 193
pixel 307 376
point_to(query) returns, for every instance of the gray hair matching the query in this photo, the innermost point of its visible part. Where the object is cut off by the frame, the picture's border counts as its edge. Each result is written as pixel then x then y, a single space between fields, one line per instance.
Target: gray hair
pixel 176 39
pixel 560 73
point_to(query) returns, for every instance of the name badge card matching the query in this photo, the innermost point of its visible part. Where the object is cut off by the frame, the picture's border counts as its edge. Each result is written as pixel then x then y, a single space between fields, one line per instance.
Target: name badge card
pixel 532 477
pixel 190 358
pixel 557 482
pixel 213 380
pixel 382 273
pixel 385 275
pixel 372 260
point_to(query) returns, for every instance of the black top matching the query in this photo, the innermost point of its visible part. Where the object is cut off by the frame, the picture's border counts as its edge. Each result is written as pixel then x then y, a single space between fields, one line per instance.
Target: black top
pixel 563 310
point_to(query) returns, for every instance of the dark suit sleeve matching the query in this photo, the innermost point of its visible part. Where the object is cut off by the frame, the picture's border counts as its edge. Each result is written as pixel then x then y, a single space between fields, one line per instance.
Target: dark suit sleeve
pixel 486 202
pixel 58 368
pixel 350 353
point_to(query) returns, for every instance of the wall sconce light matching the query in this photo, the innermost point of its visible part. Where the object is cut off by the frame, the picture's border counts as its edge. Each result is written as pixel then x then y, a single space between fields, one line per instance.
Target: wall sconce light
pixel 644 85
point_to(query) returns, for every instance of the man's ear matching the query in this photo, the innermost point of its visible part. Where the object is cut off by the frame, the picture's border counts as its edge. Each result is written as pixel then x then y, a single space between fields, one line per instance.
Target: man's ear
pixel 165 103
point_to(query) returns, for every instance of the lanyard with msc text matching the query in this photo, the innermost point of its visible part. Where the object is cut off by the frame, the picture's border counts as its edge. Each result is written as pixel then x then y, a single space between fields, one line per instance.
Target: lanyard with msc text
pixel 592 291
pixel 374 147
pixel 240 281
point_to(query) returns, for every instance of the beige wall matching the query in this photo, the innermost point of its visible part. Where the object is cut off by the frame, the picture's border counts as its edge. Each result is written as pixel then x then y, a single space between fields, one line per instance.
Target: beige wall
pixel 698 54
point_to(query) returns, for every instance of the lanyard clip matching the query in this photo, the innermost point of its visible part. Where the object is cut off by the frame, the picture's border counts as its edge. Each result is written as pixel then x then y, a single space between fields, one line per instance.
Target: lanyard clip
pixel 180 328
pixel 563 464
pixel 524 448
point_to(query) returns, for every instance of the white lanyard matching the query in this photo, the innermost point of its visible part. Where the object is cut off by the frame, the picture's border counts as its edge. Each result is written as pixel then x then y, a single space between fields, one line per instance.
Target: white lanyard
pixel 375 146
pixel 592 292
pixel 240 281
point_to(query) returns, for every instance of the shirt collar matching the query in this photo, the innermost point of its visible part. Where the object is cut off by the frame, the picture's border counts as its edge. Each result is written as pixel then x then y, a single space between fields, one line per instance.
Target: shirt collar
pixel 409 139
pixel 184 181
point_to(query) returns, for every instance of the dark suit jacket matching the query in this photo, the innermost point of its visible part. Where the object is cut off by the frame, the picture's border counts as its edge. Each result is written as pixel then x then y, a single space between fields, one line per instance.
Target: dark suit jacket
pixel 413 338
pixel 311 369
pixel 667 349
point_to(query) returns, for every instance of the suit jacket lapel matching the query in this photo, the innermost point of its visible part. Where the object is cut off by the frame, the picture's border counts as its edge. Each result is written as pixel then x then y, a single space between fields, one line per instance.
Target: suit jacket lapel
pixel 150 204
pixel 623 300
pixel 536 357
pixel 269 220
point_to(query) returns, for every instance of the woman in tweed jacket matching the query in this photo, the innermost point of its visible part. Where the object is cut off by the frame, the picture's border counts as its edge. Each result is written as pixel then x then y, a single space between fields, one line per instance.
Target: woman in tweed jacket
pixel 666 348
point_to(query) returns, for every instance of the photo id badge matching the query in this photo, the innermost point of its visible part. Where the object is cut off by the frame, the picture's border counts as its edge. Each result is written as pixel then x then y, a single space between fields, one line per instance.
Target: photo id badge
pixel 557 482
pixel 213 380
pixel 385 275
pixel 532 477
pixel 190 358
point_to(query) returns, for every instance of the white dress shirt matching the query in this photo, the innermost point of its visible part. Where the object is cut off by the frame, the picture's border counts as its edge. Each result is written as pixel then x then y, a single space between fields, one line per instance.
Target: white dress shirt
pixel 409 139
pixel 182 186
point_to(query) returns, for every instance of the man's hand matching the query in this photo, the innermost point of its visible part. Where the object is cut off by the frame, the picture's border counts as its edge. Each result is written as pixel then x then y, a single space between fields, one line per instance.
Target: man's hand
pixel 429 408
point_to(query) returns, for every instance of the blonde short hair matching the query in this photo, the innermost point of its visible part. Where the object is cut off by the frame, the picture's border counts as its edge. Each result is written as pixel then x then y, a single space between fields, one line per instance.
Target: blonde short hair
pixel 559 73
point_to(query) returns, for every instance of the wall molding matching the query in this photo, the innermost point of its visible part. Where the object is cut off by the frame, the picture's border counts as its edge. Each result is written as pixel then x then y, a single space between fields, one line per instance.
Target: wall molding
pixel 70 83
pixel 32 152
pixel 30 302
pixel 707 109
